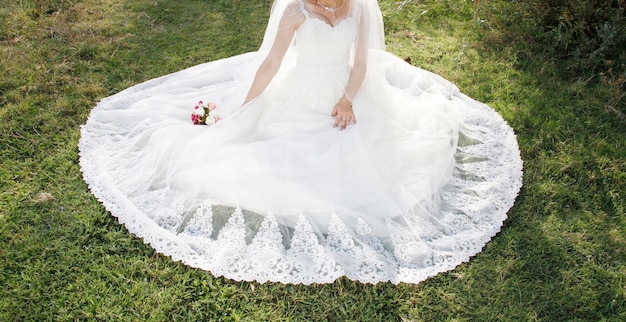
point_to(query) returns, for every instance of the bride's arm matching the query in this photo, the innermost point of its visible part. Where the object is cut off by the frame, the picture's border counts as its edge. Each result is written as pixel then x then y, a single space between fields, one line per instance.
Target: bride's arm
pixel 343 110
pixel 270 65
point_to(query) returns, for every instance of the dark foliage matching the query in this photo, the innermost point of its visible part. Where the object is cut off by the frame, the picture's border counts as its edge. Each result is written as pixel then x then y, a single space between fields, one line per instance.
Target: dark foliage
pixel 588 36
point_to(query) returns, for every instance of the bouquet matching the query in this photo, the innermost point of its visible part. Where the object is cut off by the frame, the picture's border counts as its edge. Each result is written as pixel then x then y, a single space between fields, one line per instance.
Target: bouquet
pixel 204 114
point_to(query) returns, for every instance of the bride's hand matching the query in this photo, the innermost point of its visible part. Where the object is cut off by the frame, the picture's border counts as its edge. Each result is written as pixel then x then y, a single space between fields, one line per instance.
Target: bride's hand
pixel 343 113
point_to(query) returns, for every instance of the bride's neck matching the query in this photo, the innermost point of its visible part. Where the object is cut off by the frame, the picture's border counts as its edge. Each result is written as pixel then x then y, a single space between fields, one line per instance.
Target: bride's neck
pixel 331 3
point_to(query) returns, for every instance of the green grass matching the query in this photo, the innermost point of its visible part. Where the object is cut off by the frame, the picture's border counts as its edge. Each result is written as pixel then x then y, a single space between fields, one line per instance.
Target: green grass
pixel 560 256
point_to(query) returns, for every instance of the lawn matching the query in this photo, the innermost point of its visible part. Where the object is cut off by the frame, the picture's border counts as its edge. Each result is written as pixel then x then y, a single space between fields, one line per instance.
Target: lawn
pixel 561 255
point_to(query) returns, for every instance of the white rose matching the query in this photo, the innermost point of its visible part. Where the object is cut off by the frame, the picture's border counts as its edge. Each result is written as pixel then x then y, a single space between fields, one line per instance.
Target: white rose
pixel 199 111
pixel 210 119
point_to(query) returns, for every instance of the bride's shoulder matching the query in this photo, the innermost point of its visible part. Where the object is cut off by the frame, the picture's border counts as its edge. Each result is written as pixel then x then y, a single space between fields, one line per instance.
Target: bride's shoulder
pixel 293 8
pixel 295 5
pixel 356 4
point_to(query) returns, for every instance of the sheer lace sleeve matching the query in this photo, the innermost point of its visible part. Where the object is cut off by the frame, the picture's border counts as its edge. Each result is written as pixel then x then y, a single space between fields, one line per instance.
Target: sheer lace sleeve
pixel 292 16
pixel 290 19
pixel 285 14
pixel 360 51
pixel 373 20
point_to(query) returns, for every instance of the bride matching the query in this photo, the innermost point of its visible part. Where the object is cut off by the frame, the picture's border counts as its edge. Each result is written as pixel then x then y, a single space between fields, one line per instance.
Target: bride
pixel 332 158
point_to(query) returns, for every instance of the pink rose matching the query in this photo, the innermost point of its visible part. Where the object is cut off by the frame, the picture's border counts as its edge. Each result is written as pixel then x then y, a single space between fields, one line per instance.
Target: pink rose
pixel 212 106
pixel 195 118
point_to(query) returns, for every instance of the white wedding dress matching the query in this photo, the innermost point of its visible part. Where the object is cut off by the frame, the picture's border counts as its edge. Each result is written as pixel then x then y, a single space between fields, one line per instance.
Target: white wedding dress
pixel 274 192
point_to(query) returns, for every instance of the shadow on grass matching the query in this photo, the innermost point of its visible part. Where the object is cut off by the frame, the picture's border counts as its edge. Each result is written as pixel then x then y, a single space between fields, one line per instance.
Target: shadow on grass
pixel 568 224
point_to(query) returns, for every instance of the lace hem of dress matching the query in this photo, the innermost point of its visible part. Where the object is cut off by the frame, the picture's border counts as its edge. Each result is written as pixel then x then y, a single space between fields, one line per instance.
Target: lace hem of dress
pixel 472 210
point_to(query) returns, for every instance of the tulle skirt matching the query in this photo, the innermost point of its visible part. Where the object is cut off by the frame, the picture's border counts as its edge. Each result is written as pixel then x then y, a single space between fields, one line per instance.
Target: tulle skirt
pixel 274 192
